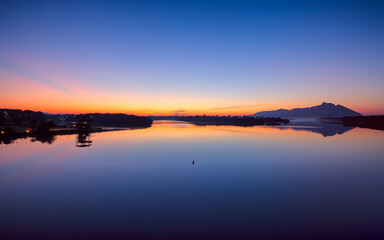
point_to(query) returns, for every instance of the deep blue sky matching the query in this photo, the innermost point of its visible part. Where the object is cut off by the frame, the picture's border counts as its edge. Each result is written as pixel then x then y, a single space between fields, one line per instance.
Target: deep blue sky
pixel 194 56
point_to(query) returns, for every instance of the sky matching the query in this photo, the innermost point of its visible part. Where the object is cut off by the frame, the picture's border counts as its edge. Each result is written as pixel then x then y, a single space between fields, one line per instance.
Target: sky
pixel 191 57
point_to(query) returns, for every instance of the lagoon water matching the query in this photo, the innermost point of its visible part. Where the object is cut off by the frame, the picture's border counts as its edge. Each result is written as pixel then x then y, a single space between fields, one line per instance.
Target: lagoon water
pixel 181 181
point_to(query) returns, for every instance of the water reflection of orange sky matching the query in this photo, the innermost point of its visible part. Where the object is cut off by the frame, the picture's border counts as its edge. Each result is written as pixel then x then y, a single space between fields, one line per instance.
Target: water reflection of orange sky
pixel 65 145
pixel 50 158
pixel 258 134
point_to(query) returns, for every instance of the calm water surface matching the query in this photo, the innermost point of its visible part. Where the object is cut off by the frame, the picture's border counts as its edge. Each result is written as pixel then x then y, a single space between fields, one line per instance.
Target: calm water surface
pixel 292 182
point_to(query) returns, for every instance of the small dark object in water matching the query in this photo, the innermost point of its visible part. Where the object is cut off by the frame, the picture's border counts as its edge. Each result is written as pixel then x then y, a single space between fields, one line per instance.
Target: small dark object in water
pixel 193 162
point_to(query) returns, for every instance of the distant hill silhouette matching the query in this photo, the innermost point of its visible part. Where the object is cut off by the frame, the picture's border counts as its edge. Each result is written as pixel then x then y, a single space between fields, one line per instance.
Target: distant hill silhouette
pixel 119 120
pixel 323 110
pixel 17 117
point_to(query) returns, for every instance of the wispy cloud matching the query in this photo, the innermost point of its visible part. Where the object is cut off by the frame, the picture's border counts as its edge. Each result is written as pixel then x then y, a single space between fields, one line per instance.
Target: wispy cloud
pixel 199 111
pixel 178 112
pixel 35 71
pixel 234 107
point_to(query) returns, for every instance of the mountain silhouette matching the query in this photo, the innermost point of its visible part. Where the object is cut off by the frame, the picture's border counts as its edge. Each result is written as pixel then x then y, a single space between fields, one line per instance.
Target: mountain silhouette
pixel 323 110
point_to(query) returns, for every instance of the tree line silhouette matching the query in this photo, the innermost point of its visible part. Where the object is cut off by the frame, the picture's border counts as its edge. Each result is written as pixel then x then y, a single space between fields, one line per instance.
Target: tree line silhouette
pixel 118 120
pixel 232 120
pixel 15 123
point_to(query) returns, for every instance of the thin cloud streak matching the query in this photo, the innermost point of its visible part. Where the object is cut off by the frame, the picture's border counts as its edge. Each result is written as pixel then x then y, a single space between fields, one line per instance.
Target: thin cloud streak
pixel 235 107
pixel 189 112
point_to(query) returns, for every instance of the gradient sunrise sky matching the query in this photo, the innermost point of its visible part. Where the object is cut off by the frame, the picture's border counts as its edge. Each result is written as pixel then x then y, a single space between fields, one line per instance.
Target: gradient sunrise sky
pixel 191 57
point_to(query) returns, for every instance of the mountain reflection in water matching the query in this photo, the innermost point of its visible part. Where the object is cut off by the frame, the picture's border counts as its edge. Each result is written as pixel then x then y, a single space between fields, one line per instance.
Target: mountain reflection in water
pixel 325 129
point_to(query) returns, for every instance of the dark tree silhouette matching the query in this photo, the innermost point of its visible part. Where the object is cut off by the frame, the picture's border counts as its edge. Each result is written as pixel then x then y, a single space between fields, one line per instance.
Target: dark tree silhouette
pixel 33 123
pixel 2 119
pixel 46 126
pixel 44 138
pixel 119 120
pixel 228 120
pixel 17 121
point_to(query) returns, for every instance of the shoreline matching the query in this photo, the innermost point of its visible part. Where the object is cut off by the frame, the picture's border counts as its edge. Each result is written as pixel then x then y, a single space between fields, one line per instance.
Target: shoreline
pixel 8 138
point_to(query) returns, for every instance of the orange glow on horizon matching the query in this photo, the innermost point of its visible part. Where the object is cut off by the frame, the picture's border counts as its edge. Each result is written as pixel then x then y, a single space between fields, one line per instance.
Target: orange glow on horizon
pixel 71 97
pixel 166 112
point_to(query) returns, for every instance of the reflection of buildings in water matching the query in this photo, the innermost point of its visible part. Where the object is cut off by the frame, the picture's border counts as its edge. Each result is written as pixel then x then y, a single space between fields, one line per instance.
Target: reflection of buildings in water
pixel 83 126
pixel 83 139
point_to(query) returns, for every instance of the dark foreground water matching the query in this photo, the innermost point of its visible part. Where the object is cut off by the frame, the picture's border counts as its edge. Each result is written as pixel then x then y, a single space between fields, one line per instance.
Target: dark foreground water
pixel 298 182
